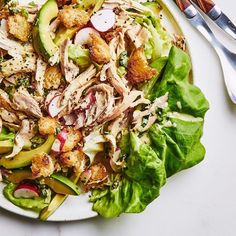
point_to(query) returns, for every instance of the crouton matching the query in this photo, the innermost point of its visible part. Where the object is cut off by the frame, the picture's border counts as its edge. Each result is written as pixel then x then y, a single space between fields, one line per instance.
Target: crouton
pixel 42 165
pixel 99 50
pixel 71 17
pixel 73 138
pixel 138 68
pixel 47 125
pixel 19 27
pixel 71 159
pixel 52 77
pixel 97 178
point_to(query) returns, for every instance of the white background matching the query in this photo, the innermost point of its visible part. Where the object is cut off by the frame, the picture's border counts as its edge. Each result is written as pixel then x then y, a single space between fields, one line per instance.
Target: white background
pixel 197 202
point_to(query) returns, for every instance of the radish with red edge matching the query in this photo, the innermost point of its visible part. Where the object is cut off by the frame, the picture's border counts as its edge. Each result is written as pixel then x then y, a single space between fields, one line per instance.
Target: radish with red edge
pixel 26 191
pixel 83 36
pixel 53 108
pixel 50 96
pixel 62 136
pixel 56 147
pixel 103 20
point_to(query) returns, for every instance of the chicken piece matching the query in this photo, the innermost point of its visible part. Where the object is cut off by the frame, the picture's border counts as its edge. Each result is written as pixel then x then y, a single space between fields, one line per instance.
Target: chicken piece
pixel 138 68
pixel 72 140
pixel 47 125
pixel 71 159
pixel 8 116
pixel 99 50
pixel 42 165
pixel 68 68
pixel 5 102
pixel 24 102
pixel 71 17
pixel 52 77
pixel 23 137
pixel 17 65
pixel 19 27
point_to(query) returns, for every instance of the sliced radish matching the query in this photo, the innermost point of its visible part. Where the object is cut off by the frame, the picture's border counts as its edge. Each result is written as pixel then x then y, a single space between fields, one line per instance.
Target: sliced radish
pixel 53 108
pixel 56 147
pixel 62 136
pixel 26 191
pixel 83 36
pixel 89 100
pixel 50 96
pixel 103 20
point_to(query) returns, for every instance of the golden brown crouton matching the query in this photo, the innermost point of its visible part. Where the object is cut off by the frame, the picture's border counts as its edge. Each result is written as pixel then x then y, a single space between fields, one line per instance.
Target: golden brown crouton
pixel 47 125
pixel 42 165
pixel 52 77
pixel 138 68
pixel 19 27
pixel 72 140
pixel 71 159
pixel 71 17
pixel 99 50
pixel 96 178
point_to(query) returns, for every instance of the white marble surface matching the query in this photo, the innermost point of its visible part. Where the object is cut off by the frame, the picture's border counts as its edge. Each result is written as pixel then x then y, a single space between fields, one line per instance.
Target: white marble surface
pixel 197 202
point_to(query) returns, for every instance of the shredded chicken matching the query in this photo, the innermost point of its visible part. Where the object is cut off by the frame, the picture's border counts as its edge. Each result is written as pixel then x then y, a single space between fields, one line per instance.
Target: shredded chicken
pixel 24 102
pixel 39 75
pixel 9 116
pixel 22 138
pixel 69 69
pixel 11 46
pixel 25 64
pixel 80 81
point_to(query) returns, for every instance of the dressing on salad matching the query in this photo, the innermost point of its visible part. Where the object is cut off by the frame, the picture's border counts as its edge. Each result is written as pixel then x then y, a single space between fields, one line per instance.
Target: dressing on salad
pixel 94 96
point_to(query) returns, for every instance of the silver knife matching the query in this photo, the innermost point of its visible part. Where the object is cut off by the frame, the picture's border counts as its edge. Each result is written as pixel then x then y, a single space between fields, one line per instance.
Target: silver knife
pixel 216 14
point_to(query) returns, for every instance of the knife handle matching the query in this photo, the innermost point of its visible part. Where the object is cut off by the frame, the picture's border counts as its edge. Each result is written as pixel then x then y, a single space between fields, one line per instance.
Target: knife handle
pixel 183 4
pixel 205 5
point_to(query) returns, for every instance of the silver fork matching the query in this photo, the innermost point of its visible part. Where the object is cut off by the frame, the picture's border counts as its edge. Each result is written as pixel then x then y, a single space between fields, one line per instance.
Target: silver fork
pixel 227 58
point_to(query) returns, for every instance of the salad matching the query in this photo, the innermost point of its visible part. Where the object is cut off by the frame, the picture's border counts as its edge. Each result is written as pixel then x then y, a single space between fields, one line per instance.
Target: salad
pixel 95 96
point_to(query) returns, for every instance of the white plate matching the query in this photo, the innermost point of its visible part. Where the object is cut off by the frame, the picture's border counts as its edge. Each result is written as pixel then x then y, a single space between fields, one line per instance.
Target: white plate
pixel 78 208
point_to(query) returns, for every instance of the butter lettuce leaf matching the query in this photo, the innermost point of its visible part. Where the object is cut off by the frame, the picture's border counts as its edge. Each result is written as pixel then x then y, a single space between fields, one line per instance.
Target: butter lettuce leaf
pixel 184 97
pixel 178 145
pixel 140 184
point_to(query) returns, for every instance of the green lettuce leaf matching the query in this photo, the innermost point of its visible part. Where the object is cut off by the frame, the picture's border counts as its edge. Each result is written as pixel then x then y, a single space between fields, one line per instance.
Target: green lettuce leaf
pixel 184 97
pixel 140 185
pixel 161 41
pixel 178 145
pixel 159 65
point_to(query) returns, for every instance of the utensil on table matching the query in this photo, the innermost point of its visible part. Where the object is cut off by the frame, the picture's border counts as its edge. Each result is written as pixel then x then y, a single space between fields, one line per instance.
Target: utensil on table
pixel 217 15
pixel 227 58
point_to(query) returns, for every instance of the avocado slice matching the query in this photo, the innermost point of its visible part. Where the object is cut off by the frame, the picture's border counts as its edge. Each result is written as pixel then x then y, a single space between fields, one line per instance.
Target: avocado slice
pixel 35 204
pixel 56 201
pixel 42 40
pixel 62 185
pixel 6 146
pixel 24 158
pixel 18 176
pixel 63 34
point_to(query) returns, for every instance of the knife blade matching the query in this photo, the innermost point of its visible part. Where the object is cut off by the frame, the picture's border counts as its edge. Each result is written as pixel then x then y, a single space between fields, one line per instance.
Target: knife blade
pixel 217 15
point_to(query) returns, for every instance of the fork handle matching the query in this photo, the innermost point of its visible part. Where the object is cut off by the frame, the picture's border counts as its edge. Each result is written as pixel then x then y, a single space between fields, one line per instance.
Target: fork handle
pixel 205 5
pixel 183 4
